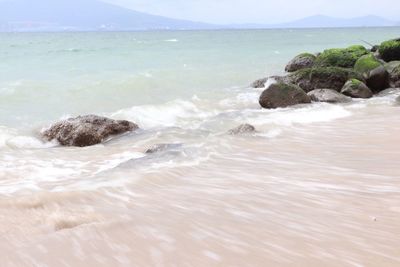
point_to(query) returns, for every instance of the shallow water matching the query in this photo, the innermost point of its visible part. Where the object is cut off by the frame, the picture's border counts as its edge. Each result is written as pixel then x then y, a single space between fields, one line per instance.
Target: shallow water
pixel 315 185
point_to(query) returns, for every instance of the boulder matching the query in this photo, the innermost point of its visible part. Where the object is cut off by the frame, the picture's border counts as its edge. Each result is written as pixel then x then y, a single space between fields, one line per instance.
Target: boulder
pixel 260 83
pixel 305 60
pixel 378 79
pixel 87 130
pixel 242 129
pixel 326 77
pixel 390 50
pixel 281 95
pixel 328 96
pixel 341 57
pixel 393 69
pixel 356 89
pixel 366 64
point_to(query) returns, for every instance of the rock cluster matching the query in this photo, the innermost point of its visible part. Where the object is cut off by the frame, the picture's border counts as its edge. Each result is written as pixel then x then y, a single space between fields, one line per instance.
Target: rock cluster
pixel 334 76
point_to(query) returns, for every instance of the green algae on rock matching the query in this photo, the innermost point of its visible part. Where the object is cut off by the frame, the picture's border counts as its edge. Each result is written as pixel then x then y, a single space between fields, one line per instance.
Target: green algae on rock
pixel 341 57
pixel 356 89
pixel 366 63
pixel 390 50
pixel 323 77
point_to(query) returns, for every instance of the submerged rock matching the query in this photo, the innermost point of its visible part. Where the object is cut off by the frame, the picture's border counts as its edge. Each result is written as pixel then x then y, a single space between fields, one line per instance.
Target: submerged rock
pixel 356 89
pixel 242 129
pixel 328 96
pixel 87 130
pixel 305 60
pixel 326 77
pixel 341 57
pixel 390 50
pixel 281 95
pixel 161 147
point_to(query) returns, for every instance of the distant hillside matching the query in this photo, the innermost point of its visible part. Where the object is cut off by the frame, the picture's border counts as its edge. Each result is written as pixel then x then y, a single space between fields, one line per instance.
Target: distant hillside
pixel 320 21
pixel 94 15
pixel 33 15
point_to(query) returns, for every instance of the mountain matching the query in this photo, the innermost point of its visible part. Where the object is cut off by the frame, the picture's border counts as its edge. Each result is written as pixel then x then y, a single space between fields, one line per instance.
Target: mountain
pixel 93 15
pixel 54 15
pixel 321 21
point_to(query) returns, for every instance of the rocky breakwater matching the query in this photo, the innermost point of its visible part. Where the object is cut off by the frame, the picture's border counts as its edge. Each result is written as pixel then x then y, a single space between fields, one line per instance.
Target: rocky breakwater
pixel 335 76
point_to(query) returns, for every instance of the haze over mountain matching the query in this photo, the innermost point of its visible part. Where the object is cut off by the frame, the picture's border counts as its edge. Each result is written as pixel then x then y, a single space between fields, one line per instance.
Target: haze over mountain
pixel 30 15
pixel 89 15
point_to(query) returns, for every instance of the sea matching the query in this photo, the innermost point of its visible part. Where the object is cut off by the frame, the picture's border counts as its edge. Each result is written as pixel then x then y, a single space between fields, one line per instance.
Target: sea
pixel 315 185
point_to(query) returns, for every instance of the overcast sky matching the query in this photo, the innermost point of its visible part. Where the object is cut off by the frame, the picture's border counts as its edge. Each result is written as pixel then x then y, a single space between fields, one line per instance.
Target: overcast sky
pixel 262 11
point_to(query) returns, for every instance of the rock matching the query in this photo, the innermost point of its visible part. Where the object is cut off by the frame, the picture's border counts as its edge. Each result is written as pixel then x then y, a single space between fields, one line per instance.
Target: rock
pixel 328 95
pixel 378 79
pixel 390 50
pixel 341 57
pixel 393 69
pixel 301 61
pixel 281 95
pixel 356 89
pixel 366 64
pixel 161 147
pixel 242 129
pixel 326 77
pixel 389 91
pixel 260 83
pixel 87 130
pixel 374 48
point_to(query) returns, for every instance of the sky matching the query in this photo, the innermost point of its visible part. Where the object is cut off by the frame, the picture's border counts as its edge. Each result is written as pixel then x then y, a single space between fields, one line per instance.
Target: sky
pixel 262 11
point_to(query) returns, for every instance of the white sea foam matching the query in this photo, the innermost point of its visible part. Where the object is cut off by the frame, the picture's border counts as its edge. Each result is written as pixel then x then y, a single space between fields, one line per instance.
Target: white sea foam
pixel 175 113
pixel 304 115
pixel 172 40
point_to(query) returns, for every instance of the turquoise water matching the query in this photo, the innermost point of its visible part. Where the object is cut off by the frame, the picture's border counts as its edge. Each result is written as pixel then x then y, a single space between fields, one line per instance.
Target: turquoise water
pixel 47 75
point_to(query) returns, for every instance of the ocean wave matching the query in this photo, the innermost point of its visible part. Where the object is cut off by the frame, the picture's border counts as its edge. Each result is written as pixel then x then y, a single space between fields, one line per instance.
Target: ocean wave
pixel 181 113
pixel 11 138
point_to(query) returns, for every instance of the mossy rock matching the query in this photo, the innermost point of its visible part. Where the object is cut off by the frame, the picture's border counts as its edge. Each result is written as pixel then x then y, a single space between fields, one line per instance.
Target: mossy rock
pixel 304 60
pixel 323 77
pixel 282 95
pixel 390 50
pixel 341 57
pixel 366 63
pixel 356 89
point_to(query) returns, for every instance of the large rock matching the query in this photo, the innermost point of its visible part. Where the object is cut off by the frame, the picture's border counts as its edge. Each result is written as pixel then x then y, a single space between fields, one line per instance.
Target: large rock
pixel 87 130
pixel 366 64
pixel 356 89
pixel 341 57
pixel 242 129
pixel 281 95
pixel 302 61
pixel 326 77
pixel 390 50
pixel 394 73
pixel 378 79
pixel 328 96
